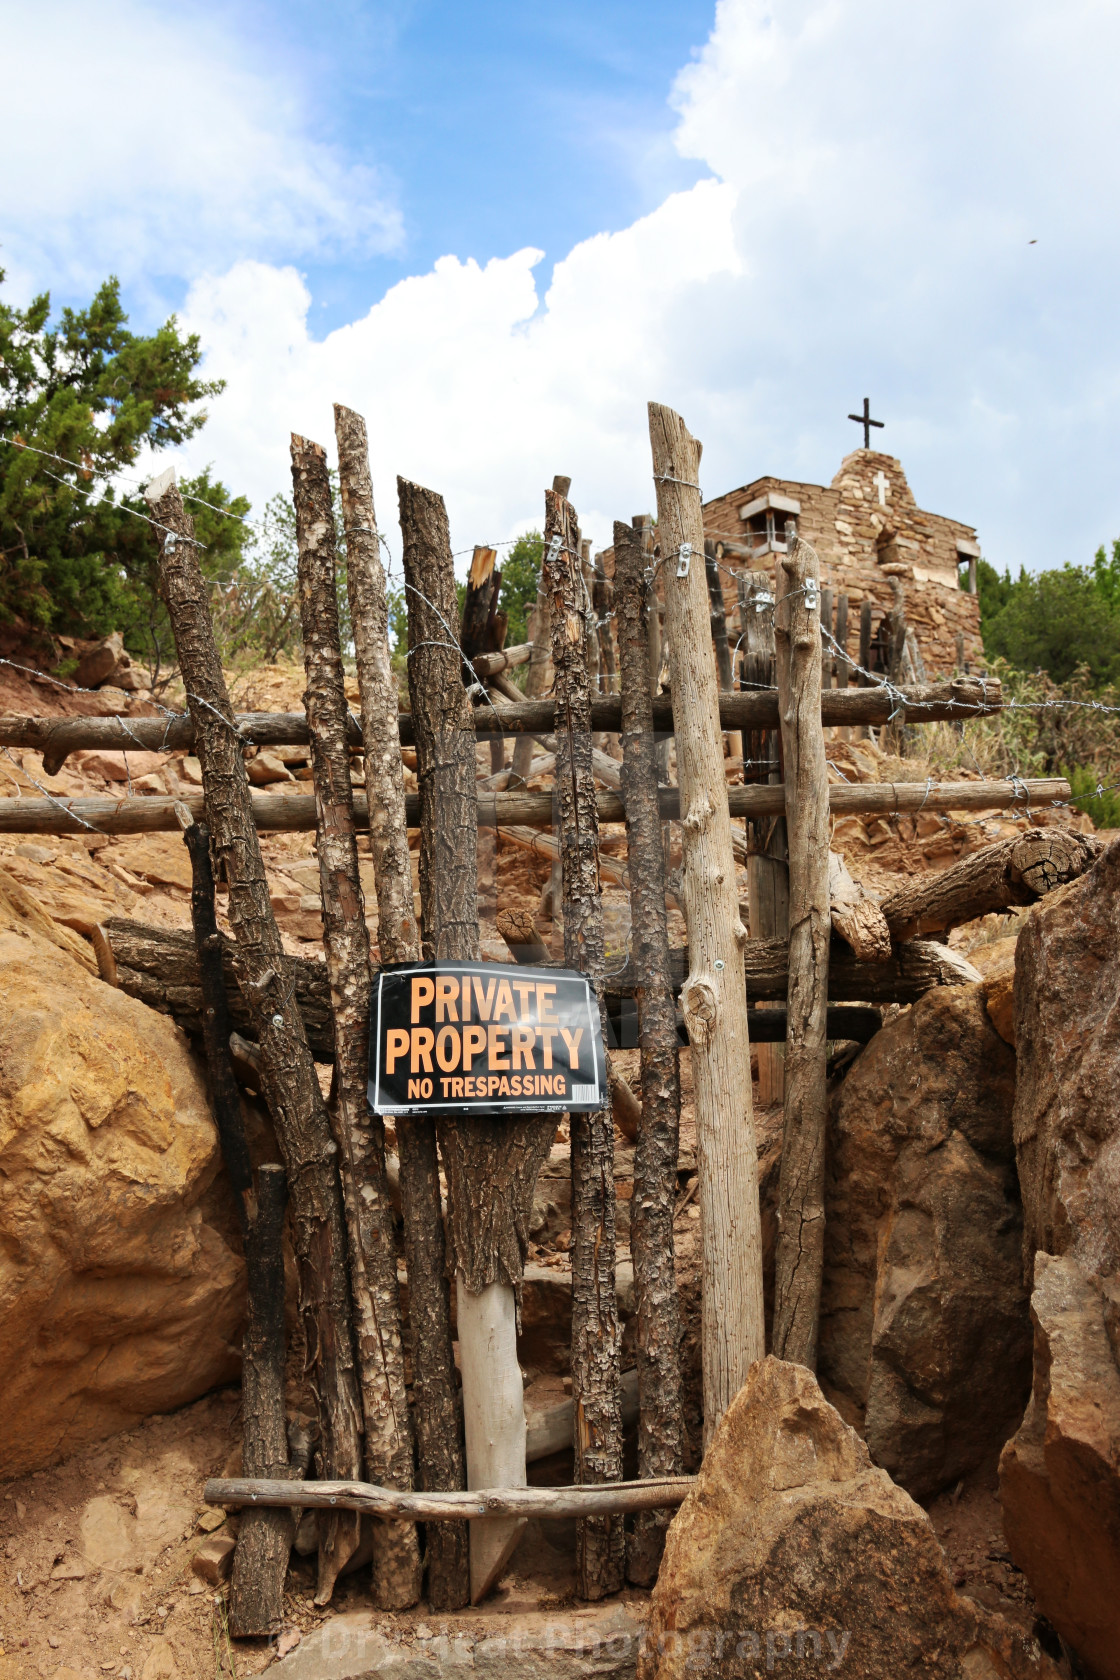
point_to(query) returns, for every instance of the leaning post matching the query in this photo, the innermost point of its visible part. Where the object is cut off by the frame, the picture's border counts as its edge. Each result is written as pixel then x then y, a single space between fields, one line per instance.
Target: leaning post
pixel 388 1443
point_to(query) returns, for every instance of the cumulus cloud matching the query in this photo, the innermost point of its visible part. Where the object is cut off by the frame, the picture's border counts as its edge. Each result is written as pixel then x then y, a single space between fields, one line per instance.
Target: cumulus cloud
pixel 140 144
pixel 877 173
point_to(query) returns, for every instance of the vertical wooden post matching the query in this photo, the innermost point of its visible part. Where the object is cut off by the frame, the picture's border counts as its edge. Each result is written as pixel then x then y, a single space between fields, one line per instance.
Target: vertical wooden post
pixel 865 613
pixel 360 1136
pixel 602 599
pixel 491 1165
pixel 596 1337
pixel 264 1540
pixel 713 998
pixel 767 858
pixel 291 1085
pixel 843 669
pixel 538 679
pixel 827 655
pixel 719 637
pixel 660 1415
pixel 800 1250
pixel 398 934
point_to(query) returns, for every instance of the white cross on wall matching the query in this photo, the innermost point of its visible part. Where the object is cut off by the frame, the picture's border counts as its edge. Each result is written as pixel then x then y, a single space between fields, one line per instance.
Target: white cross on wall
pixel 882 483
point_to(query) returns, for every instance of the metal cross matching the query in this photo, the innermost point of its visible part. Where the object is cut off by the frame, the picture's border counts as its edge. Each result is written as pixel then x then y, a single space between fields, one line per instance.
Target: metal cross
pixel 866 422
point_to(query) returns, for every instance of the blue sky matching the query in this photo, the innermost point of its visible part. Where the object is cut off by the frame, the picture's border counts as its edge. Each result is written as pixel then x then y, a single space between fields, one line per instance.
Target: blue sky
pixel 498 230
pixel 494 125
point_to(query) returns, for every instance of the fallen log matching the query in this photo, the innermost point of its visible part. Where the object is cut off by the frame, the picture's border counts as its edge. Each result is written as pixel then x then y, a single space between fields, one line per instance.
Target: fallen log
pixel 160 967
pixel 856 916
pixel 57 737
pixel 294 813
pixel 1014 871
pixel 587 1500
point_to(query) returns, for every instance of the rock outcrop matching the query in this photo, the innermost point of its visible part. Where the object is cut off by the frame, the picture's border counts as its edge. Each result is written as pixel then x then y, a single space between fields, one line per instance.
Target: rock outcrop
pixel 1060 1475
pixel 1067 1031
pixel 794 1555
pixel 120 1294
pixel 925 1330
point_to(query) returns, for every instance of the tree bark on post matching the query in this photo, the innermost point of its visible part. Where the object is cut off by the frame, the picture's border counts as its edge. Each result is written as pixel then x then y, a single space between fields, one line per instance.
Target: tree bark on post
pixel 288 1072
pixel 800 1249
pixel 429 1312
pixel 538 679
pixel 660 1416
pixel 225 1098
pixel 397 932
pixel 713 999
pixel 596 1335
pixel 264 1540
pixel 359 1134
pixel 491 1165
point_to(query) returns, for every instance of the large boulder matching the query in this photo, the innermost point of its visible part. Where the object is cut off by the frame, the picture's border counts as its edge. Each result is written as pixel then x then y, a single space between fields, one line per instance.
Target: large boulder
pixel 794 1555
pixel 925 1327
pixel 1060 1475
pixel 120 1293
pixel 1067 1031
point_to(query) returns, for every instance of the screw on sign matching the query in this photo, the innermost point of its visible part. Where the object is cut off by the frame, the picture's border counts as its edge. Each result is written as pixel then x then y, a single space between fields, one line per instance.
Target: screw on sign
pixel 483 1037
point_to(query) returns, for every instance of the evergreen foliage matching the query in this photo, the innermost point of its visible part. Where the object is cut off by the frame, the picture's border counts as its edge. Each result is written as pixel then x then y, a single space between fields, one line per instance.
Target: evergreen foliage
pixel 87 390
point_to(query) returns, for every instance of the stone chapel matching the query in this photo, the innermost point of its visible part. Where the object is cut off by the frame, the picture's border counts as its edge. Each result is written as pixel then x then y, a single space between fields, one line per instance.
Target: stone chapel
pixel 867 529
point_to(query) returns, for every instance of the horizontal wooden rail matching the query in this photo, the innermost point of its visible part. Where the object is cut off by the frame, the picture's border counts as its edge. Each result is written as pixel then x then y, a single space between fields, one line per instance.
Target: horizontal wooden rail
pixel 56 737
pixel 602 1499
pixel 293 813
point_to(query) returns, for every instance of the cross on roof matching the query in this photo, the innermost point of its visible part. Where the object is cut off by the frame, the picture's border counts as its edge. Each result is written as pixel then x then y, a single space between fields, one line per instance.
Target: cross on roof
pixel 866 422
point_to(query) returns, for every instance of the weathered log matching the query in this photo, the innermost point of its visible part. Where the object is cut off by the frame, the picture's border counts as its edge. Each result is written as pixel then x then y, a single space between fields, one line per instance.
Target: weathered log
pixel 159 966
pixel 360 1135
pixel 264 1539
pixel 490 1504
pixel 767 852
pixel 225 1099
pixel 713 998
pixel 398 936
pixel 397 932
pixel 491 1164
pixel 57 737
pixel 483 583
pixel 1014 871
pixel 294 813
pixel 447 892
pixel 504 659
pixel 596 1332
pixel 856 916
pixel 290 1081
pixel 538 678
pixel 661 1417
pixel 799 1257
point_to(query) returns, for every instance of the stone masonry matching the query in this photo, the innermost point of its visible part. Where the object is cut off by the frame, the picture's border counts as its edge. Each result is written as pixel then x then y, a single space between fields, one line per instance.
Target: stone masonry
pixel 867 528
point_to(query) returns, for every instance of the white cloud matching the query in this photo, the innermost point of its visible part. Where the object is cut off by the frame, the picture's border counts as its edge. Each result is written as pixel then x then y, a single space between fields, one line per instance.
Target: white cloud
pixel 138 144
pixel 465 383
pixel 878 173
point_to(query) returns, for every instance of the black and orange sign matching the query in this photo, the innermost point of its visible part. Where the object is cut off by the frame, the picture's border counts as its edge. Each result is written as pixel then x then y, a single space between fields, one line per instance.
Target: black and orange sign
pixel 482 1036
